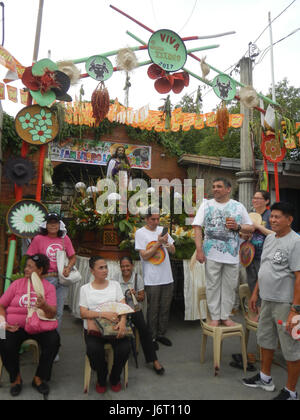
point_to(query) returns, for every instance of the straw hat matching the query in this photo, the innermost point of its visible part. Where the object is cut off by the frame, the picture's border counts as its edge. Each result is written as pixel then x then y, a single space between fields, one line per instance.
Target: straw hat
pixel 249 97
pixel 19 170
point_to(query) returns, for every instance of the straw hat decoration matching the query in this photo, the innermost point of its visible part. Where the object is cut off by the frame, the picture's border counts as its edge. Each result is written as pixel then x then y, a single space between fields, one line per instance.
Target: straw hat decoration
pixel 19 171
pixel 126 61
pixel 248 97
pixel 204 68
pixel 69 68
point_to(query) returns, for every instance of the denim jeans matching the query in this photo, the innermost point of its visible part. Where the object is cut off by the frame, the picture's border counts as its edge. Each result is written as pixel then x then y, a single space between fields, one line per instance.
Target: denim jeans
pixel 61 294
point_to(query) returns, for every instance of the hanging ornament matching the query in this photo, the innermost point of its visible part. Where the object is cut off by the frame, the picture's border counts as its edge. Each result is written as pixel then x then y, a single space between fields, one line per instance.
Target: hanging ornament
pixel 273 152
pixel 100 102
pixel 222 120
pixel 167 50
pixel 126 60
pixel 36 125
pixel 198 100
pixel 248 97
pixel 204 68
pixel 47 172
pixel 19 171
pixel 165 82
pixel 167 113
pixel 69 68
pixel 46 82
pixel 25 217
pixel 224 87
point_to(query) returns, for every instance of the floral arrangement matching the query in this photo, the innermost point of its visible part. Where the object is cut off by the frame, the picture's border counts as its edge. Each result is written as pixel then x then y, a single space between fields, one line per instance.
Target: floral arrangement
pixel 183 240
pixel 85 216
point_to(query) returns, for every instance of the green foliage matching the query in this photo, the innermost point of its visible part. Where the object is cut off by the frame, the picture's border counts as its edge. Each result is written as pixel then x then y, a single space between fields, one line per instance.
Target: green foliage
pixel 185 248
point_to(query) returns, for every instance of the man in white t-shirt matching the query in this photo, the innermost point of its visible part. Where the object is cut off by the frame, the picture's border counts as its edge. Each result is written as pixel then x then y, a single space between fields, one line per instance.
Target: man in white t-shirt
pixel 222 219
pixel 158 278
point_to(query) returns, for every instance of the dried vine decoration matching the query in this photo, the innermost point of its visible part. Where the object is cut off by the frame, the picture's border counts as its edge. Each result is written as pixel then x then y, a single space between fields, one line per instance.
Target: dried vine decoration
pixel 222 120
pixel 100 103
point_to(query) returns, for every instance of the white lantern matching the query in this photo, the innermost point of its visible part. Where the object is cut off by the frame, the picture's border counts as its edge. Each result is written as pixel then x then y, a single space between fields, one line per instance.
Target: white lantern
pixel 80 186
pixel 91 191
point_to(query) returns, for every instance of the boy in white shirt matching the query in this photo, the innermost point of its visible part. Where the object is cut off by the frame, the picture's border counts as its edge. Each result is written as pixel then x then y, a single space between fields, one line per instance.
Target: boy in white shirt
pixel 158 278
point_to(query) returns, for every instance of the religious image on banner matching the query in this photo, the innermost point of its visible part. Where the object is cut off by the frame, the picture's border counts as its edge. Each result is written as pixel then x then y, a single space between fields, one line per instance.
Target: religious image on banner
pixel 93 152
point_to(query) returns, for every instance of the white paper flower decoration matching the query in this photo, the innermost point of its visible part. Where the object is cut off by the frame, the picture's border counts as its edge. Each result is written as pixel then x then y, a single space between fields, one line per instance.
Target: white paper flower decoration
pixel 25 217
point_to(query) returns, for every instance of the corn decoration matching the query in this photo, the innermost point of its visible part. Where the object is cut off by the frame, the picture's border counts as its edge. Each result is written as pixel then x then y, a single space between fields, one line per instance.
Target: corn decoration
pixel 100 103
pixel 222 120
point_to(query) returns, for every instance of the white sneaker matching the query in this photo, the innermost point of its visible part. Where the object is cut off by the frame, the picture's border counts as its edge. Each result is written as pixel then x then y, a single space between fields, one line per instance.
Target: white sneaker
pixel 257 382
pixel 56 358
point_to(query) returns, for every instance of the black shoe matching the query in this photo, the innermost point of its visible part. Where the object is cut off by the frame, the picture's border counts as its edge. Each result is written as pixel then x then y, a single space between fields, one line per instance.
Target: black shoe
pixel 160 371
pixel 155 345
pixel 16 389
pixel 43 388
pixel 284 395
pixel 165 341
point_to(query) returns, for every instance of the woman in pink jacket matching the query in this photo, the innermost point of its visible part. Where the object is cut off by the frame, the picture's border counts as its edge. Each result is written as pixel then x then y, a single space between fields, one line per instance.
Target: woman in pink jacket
pixel 13 314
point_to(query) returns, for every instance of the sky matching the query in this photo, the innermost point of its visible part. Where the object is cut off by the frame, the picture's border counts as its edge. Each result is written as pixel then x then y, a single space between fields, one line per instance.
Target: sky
pixel 73 29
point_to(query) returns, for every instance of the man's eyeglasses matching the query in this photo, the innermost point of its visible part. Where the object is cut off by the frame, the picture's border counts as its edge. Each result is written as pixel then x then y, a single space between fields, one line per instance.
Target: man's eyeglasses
pixel 258 198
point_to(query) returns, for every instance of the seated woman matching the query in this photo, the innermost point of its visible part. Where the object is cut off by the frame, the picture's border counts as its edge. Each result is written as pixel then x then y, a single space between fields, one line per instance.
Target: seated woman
pixel 13 308
pixel 132 281
pixel 91 296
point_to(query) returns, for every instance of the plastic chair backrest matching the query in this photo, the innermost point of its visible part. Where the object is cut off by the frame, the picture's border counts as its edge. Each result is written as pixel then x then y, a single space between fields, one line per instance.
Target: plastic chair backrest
pixel 245 296
pixel 201 298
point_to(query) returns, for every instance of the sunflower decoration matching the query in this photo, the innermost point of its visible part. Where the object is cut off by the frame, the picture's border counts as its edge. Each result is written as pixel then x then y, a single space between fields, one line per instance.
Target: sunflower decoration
pixel 25 217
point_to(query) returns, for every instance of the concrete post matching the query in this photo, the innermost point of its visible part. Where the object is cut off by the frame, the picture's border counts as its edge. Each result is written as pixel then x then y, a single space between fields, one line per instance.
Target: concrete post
pixel 246 177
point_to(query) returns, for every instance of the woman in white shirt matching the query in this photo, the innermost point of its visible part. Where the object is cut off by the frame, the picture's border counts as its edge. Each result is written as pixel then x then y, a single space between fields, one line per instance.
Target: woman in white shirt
pixel 91 296
pixel 132 283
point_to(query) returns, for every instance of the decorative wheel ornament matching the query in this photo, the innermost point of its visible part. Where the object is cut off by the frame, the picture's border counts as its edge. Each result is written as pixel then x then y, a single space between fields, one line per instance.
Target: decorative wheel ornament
pixel 157 258
pixel 272 150
pixel 99 68
pixel 167 50
pixel 247 252
pixel 25 217
pixel 37 125
pixel 224 87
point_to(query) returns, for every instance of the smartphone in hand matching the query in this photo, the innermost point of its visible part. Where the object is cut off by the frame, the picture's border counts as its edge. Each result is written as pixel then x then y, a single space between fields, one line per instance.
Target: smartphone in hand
pixel 164 231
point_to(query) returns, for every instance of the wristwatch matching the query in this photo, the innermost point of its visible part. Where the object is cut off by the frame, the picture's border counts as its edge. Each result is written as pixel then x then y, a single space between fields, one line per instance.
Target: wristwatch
pixel 239 227
pixel 296 308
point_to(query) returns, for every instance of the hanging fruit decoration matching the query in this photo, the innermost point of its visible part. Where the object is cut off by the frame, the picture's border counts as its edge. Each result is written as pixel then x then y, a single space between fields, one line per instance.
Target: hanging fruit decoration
pixel 166 82
pixel 100 102
pixel 222 120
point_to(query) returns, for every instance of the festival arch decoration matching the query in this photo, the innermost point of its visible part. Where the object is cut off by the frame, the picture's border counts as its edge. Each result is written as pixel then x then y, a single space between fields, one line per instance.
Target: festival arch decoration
pixel 46 82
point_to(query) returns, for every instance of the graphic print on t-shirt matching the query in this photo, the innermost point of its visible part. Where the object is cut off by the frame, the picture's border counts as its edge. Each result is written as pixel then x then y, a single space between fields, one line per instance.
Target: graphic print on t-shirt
pixel 280 257
pixel 23 302
pixel 51 251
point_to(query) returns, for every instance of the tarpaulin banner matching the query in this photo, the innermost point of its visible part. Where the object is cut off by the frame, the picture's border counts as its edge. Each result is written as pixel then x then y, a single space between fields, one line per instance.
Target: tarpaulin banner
pixel 94 152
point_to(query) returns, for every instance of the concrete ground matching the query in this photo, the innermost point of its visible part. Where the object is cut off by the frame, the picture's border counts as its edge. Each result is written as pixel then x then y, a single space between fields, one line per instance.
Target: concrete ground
pixel 185 377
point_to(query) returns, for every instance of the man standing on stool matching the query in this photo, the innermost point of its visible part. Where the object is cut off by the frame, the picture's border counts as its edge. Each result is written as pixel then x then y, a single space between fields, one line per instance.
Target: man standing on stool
pixel 158 278
pixel 222 220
